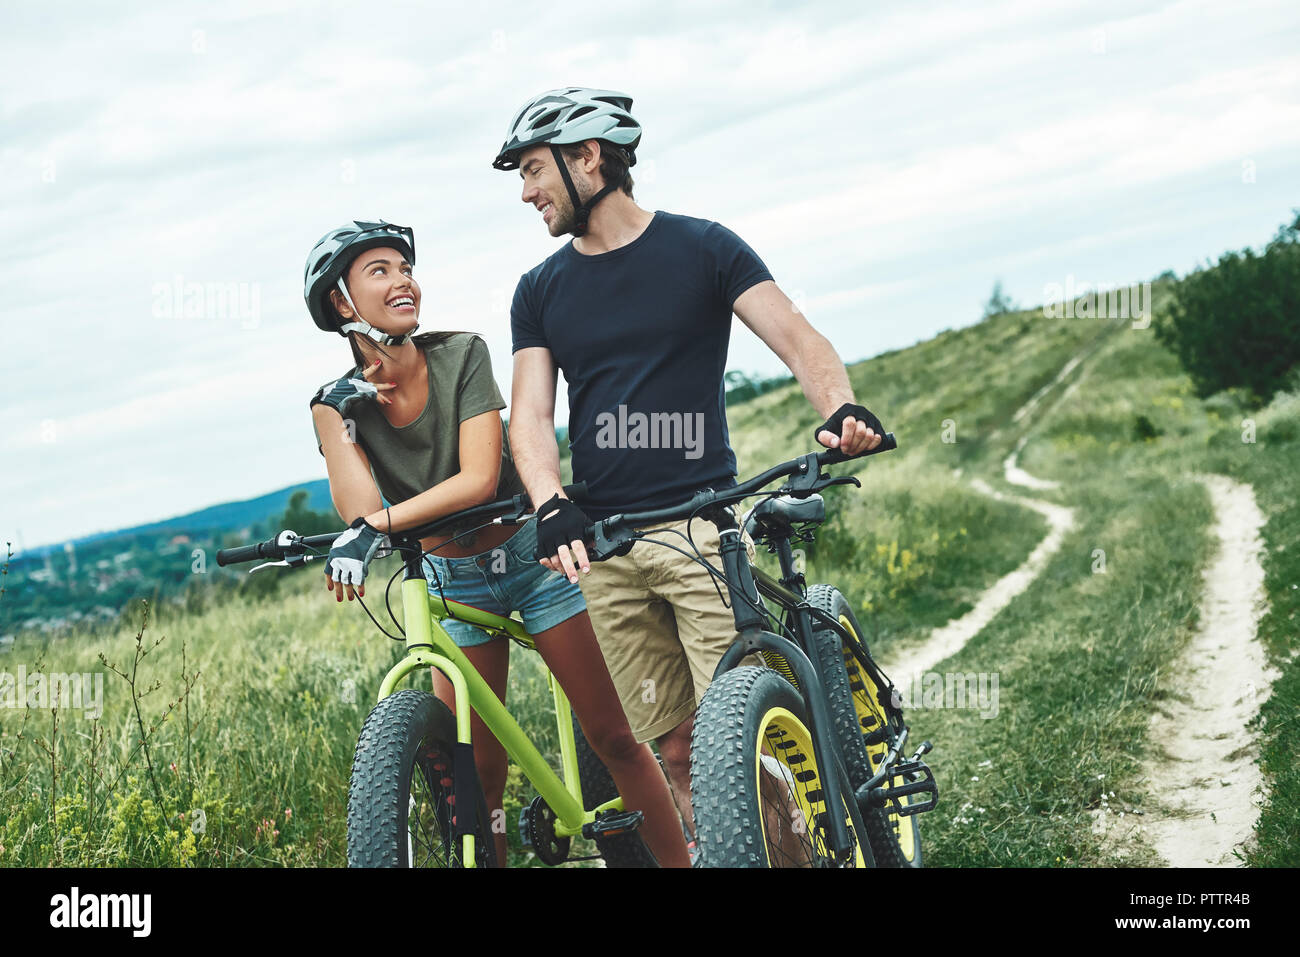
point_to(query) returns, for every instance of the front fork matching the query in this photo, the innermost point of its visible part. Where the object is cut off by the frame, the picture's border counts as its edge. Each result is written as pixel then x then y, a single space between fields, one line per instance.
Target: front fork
pixel 754 638
pixel 563 796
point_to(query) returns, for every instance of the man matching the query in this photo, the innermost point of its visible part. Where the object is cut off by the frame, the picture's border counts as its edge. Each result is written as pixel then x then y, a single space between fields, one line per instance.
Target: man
pixel 636 311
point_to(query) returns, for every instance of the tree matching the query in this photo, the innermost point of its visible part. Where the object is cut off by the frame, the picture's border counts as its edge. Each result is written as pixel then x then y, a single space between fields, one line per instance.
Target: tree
pixel 304 521
pixel 999 303
pixel 1237 324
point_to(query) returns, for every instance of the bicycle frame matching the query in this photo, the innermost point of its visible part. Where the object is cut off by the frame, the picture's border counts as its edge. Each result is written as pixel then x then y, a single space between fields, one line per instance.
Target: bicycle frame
pixel 429 645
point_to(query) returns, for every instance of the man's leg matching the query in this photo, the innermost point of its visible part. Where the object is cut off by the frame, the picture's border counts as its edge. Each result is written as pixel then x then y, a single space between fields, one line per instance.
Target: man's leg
pixel 705 628
pixel 675 749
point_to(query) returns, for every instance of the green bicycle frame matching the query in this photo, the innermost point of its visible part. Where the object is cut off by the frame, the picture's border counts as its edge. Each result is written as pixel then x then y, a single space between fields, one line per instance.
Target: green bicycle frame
pixel 429 645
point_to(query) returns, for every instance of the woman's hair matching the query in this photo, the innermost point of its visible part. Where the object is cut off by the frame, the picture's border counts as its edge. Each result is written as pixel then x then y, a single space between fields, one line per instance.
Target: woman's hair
pixel 421 341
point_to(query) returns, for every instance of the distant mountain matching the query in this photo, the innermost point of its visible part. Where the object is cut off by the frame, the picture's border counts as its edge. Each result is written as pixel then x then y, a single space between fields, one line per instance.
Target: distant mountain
pixel 228 516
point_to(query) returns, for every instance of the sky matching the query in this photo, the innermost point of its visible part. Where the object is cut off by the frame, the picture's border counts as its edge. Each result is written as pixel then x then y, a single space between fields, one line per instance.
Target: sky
pixel 889 165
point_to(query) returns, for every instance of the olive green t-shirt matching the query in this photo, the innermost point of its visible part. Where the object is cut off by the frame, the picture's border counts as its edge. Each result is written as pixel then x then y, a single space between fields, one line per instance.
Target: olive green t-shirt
pixel 411 459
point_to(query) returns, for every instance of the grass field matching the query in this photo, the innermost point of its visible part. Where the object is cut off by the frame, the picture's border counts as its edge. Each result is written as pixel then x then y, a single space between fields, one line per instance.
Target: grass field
pixel 248 709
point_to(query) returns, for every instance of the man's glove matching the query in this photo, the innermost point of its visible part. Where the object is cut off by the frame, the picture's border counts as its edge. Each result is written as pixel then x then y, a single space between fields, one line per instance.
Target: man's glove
pixel 344 393
pixel 559 522
pixel 835 424
pixel 352 551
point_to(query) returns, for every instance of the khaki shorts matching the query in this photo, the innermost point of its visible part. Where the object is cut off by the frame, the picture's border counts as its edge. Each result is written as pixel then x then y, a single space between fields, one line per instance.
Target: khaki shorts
pixel 661 625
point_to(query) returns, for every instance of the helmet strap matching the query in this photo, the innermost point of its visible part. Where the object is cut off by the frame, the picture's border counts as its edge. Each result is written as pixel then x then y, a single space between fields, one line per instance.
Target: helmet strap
pixel 581 210
pixel 365 328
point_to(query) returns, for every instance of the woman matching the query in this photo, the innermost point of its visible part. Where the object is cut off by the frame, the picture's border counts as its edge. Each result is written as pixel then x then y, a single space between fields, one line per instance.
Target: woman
pixel 417 419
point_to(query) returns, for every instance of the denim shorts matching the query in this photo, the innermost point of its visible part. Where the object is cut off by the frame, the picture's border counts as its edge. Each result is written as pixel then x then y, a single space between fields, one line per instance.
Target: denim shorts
pixel 503 580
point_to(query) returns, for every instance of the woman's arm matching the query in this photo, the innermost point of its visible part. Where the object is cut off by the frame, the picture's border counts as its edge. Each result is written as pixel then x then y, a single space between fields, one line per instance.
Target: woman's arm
pixel 352 487
pixel 475 483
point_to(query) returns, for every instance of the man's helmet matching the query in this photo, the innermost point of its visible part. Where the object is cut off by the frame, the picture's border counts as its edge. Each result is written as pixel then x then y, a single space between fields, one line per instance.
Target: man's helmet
pixel 572 115
pixel 568 115
pixel 329 260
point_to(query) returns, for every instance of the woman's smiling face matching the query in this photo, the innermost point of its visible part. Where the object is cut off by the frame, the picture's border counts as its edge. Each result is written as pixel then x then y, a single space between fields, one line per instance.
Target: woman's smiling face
pixel 386 294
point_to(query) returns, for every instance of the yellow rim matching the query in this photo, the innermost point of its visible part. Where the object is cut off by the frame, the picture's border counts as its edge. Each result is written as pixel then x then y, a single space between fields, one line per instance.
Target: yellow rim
pixel 787 745
pixel 871 717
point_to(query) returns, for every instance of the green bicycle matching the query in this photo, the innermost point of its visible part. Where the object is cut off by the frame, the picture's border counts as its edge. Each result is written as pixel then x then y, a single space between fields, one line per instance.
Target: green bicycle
pixel 414 799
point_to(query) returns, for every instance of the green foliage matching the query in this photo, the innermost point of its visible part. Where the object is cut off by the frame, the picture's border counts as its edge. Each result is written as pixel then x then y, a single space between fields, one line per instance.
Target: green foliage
pixel 1144 430
pixel 304 521
pixel 1237 324
pixel 742 386
pixel 999 302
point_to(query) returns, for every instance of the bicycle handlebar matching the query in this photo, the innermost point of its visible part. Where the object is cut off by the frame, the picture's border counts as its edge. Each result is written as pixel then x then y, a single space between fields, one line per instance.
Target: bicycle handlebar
pixel 288 543
pixel 609 534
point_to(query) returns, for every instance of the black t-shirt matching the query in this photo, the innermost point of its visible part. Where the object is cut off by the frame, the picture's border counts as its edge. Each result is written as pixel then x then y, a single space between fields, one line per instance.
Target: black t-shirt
pixel 641 335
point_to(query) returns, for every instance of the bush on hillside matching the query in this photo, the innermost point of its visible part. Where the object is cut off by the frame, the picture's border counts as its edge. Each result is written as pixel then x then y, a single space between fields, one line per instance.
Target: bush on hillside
pixel 1237 324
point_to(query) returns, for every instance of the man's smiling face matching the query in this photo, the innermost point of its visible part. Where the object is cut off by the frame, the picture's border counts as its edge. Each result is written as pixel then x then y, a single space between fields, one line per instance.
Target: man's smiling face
pixel 544 188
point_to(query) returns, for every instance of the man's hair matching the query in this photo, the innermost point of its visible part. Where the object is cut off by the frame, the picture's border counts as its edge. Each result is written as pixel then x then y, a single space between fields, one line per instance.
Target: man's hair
pixel 612 167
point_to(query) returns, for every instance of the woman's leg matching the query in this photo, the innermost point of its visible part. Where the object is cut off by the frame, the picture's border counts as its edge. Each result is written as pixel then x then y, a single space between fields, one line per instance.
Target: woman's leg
pixel 492 661
pixel 571 652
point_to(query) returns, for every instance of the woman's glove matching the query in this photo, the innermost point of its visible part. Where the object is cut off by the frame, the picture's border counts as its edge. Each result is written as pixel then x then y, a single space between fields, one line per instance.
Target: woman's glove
pixel 344 393
pixel 350 555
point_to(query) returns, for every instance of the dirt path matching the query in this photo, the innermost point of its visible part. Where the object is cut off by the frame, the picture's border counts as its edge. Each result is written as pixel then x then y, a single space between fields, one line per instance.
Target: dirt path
pixel 950 638
pixel 1202 769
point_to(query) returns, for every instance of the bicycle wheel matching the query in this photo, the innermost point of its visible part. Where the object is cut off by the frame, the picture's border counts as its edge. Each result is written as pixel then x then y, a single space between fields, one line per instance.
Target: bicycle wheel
pixel 759 796
pixel 401 805
pixel 623 850
pixel 862 726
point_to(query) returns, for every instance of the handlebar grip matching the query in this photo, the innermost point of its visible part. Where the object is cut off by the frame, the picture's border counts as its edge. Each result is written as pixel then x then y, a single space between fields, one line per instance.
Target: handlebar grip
pixel 831 456
pixel 242 553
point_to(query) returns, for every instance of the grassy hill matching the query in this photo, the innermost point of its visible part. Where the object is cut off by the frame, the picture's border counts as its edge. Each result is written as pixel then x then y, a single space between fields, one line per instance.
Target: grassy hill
pixel 262 741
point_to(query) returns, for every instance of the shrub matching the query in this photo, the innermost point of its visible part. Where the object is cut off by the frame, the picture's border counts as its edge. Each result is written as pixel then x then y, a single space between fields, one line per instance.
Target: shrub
pixel 1237 324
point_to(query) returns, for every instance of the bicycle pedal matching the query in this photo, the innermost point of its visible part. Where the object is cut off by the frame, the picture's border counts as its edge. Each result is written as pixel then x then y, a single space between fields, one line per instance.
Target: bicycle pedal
pixel 613 824
pixel 918 779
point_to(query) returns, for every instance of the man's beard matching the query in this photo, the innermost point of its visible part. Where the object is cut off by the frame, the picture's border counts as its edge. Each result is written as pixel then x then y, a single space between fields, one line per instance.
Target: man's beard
pixel 566 216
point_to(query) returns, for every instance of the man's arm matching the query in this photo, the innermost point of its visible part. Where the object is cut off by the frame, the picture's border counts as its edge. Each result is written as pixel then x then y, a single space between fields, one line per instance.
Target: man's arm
pixel 766 310
pixel 532 423
pixel 532 442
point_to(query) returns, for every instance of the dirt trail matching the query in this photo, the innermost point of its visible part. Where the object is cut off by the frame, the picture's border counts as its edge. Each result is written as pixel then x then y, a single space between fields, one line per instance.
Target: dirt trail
pixel 1202 771
pixel 950 638
pixel 947 640
pixel 1202 776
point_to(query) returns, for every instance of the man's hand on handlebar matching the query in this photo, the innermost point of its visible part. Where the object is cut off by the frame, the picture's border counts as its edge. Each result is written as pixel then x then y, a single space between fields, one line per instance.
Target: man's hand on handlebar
pixel 560 525
pixel 852 429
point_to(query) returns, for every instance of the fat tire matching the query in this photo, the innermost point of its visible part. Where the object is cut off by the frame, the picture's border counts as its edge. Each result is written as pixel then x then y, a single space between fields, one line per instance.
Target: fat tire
pixel 724 788
pixel 828 646
pixel 406 725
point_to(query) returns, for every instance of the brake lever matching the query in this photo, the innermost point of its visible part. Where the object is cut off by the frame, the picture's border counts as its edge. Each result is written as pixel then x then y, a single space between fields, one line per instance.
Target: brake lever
pixel 606 545
pixel 293 561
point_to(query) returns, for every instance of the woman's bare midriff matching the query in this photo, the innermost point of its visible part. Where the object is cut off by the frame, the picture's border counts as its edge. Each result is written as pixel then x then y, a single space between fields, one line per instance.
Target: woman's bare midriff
pixel 472 544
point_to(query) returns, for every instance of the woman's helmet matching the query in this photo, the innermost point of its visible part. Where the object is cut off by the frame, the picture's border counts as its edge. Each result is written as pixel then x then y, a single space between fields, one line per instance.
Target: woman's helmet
pixel 570 115
pixel 329 260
